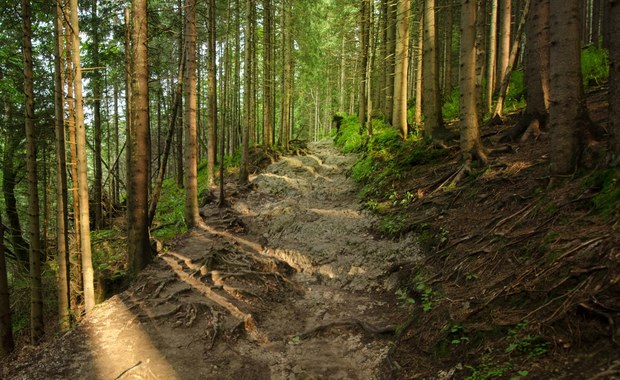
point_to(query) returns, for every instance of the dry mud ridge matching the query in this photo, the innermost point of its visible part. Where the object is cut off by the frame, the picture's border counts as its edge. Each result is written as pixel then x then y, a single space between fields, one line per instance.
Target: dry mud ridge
pixel 285 284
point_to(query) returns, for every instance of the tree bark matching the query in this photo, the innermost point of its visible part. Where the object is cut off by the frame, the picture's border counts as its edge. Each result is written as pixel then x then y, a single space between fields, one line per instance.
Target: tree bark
pixel 139 249
pixel 62 222
pixel 492 56
pixel 211 68
pixel 98 184
pixel 431 98
pixel 7 344
pixel 614 80
pixel 399 113
pixel 82 167
pixel 503 49
pixel 268 107
pixel 36 286
pixel 471 145
pixel 567 112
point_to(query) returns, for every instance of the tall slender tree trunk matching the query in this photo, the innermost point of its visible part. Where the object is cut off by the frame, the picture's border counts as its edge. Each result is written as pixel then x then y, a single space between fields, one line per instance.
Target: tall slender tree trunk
pixel 247 94
pixel 447 79
pixel 82 167
pixel 431 103
pixel 363 58
pixel 192 218
pixel 503 49
pixel 180 129
pixel 62 222
pixel 139 249
pixel 7 344
pixel 36 287
pixel 212 129
pixel 390 58
pixel 70 99
pixel 399 113
pixel 98 184
pixel 419 82
pixel 268 107
pixel 492 56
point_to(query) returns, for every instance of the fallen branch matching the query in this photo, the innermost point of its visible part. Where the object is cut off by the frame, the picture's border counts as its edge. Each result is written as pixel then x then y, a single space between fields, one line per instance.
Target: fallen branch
pixel 127 370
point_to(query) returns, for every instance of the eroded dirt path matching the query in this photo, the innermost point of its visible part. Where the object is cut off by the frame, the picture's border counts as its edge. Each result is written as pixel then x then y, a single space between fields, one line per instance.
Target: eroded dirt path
pixel 286 284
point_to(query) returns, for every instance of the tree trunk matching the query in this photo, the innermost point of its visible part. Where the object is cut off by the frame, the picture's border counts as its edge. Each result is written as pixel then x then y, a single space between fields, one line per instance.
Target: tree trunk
pixel 139 249
pixel 9 182
pixel 211 68
pixel 399 114
pixel 36 287
pixel 492 56
pixel 7 345
pixel 503 49
pixel 505 81
pixel 247 98
pixel 390 58
pixel 180 125
pixel 567 112
pixel 431 98
pixel 176 105
pixel 98 184
pixel 62 222
pixel 614 81
pixel 267 76
pixel 471 145
pixel 419 82
pixel 363 58
pixel 82 167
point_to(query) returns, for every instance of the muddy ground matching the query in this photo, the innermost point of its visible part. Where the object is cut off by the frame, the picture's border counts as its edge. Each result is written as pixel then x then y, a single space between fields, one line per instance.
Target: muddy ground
pixel 287 283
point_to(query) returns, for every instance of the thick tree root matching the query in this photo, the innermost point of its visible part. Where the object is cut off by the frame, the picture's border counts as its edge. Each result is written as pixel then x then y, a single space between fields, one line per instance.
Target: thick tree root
pixel 349 322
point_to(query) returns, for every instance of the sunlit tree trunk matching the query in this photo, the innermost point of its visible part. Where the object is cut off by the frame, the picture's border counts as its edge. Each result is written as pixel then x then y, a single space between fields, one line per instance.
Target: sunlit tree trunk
pixel 180 125
pixel 268 107
pixel 287 80
pixel 399 113
pixel 491 57
pixel 419 82
pixel 503 48
pixel 62 222
pixel 7 344
pixel 139 250
pixel 363 59
pixel 247 94
pixel 211 68
pixel 567 112
pixel 98 184
pixel 36 287
pixel 390 58
pixel 82 166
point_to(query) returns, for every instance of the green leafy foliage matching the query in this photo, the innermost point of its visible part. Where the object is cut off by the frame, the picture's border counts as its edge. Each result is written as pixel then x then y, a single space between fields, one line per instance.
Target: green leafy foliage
pixel 594 65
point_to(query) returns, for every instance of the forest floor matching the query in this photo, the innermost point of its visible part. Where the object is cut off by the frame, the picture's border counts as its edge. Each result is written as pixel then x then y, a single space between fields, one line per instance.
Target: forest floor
pixel 287 283
pixel 506 274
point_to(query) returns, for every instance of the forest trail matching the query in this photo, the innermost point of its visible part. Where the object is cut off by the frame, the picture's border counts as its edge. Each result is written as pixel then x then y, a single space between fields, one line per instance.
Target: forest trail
pixel 285 284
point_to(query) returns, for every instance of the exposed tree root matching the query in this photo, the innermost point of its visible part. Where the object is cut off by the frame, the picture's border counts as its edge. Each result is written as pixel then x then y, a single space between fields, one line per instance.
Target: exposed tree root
pixel 349 322
pixel 245 318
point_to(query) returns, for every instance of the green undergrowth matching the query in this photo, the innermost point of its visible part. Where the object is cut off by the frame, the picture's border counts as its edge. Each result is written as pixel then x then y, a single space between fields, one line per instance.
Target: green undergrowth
pixel 594 66
pixel 384 160
pixel 607 185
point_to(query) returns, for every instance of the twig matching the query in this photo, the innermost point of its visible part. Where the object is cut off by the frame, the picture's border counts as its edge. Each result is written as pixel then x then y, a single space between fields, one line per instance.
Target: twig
pixel 127 370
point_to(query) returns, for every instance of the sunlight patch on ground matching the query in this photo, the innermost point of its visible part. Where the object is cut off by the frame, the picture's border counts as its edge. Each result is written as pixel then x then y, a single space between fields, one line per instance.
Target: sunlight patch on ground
pixel 337 213
pixel 124 350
